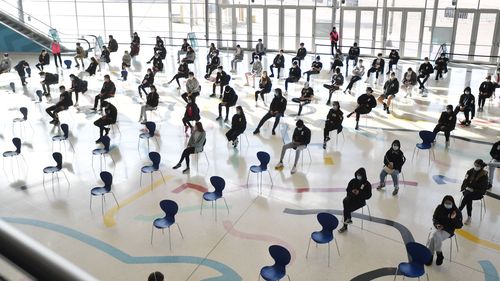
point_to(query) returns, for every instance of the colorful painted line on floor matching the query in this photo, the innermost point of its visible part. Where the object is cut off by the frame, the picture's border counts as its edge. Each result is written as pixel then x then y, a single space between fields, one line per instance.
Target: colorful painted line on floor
pixel 109 216
pixel 188 185
pixel 440 179
pixel 227 272
pixel 490 272
pixel 471 237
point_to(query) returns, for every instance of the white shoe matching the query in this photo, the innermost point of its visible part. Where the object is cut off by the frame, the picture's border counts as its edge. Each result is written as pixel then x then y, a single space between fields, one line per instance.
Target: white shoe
pixel 367 80
pixel 75 105
pixel 467 221
pixel 256 105
pixel 294 170
pixel 178 88
pixel 235 143
pixel 424 95
pixel 279 166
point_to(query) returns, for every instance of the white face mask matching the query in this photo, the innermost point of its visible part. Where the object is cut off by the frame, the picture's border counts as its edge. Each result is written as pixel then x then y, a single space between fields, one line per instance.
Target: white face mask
pixel 395 147
pixel 335 107
pixel 477 168
pixel 219 70
pixel 298 128
pixel 448 205
pixel 359 178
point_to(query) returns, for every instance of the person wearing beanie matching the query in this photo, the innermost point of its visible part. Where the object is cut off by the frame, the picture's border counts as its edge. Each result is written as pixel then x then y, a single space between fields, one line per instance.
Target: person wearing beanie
pixel 300 139
pixel 474 187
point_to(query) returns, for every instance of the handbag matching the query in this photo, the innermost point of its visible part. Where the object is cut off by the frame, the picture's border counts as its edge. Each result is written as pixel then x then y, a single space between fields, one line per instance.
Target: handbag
pixel 388 170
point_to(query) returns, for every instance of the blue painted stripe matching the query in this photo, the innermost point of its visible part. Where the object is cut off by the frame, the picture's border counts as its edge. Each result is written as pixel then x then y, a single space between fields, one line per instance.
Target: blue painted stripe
pixel 490 272
pixel 227 272
pixel 440 179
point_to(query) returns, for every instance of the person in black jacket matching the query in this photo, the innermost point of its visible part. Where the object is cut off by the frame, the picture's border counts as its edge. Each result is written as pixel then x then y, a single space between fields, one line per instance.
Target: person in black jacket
pixel 474 187
pixel 63 104
pixel 135 46
pixel 316 67
pixel 278 62
pixel 183 50
pixel 152 100
pixel 147 82
pixel 238 126
pixel 333 122
pixel 441 65
pixel 306 96
pixel 486 90
pixel 358 190
pixel 182 72
pixel 214 63
pixel 394 160
pixel 466 105
pixel 353 54
pixel 107 91
pixel 157 63
pixel 300 139
pixel 229 99
pixel 365 104
pixel 294 75
pixel 424 72
pixel 446 122
pixel 221 80
pixel 109 118
pixel 377 67
pixel 77 86
pixel 48 79
pixel 447 217
pixel 43 59
pixel 105 55
pixel 393 60
pixel 192 113
pixel 301 53
pixel 338 60
pixel 494 163
pixel 92 67
pixel 265 86
pixel 22 67
pixel 112 44
pixel 276 110
pixel 337 81
pixel 391 88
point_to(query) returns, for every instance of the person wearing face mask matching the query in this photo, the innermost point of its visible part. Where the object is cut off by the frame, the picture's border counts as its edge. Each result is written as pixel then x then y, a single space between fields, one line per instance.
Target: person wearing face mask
pixel 306 96
pixel 278 62
pixel 183 50
pixel 357 74
pixel 195 145
pixel 425 70
pixel 393 60
pixel 260 50
pixel 182 72
pixel 300 139
pixel 474 187
pixel 294 75
pixel 238 126
pixel 467 105
pixel 338 60
pixel 147 82
pixel 151 103
pixel 353 54
pixel 190 56
pixel 192 113
pixel 316 67
pixel 337 81
pixel 109 118
pixel 377 67
pixel 394 160
pixel 447 217
pixel 256 71
pixel 157 63
pixel 409 81
pixel 77 86
pixel 92 67
pixel 333 122
pixel 238 57
pixel 391 88
pixel 334 39
pixel 229 100
pixel 156 276
pixel 365 104
pixel 494 163
pixel 486 90
pixel 301 53
pixel 440 65
pixel 135 45
pixel 214 63
pixel 276 110
pixel 265 86
pixel 358 190
pixel 107 91
pixel 193 87
pixel 446 122
pixel 221 80
pixel 48 79
pixel 63 104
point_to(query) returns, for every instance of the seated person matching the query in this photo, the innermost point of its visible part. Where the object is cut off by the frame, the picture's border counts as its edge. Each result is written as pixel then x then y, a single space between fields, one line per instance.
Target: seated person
pixel 147 82
pixel 333 122
pixel 486 90
pixel 474 187
pixel 126 59
pixel 77 86
pixel 214 63
pixel 193 87
pixel 365 104
pixel 300 139
pixel 211 52
pixel 192 113
pixel 182 72
pixel 393 60
pixel 5 64
pixel 260 50
pixel 152 100
pixel 238 126
pixel 494 163
pixel 190 56
pixel 391 88
pixel 278 62
pixel 466 105
pixel 256 70
pixel 353 54
pixel 294 75
pixel 22 68
pixel 157 63
pixel 306 96
pixel 357 74
pixel 238 57
pixel 229 99
pixel 92 67
pixel 265 86
pixel 276 110
pixel 109 118
pixel 441 65
pixel 424 72
pixel 446 218
pixel 105 55
pixel 338 60
pixel 48 79
pixel 358 190
pixel 63 104
pixel 195 145
pixel 446 122
pixel 394 160
pixel 301 53
pixel 377 67
pixel 337 81
pixel 222 79
pixel 315 68
pixel 43 59
pixel 183 50
pixel 409 81
pixel 107 91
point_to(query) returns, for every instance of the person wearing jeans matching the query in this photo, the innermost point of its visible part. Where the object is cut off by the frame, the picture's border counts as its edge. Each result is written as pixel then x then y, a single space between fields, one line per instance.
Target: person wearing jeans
pixel 300 139
pixel 474 187
pixel 494 163
pixel 393 163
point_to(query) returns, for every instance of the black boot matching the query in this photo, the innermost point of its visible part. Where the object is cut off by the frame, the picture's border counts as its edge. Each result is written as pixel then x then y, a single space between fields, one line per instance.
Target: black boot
pixel 343 229
pixel 439 258
pixel 357 126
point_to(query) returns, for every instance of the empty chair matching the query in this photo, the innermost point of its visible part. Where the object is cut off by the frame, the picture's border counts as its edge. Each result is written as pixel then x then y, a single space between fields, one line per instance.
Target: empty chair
pixel 55 169
pixel 151 127
pixel 427 138
pixel 68 64
pixel 154 167
pixel 219 184
pixel 21 120
pixel 264 159
pixel 102 152
pixel 107 179
pixel 62 138
pixel 328 223
pixel 419 255
pixel 170 208
pixel 281 257
pixel 14 153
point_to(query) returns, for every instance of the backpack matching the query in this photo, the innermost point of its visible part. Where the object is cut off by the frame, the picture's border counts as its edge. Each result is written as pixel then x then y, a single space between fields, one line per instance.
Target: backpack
pixel 84 86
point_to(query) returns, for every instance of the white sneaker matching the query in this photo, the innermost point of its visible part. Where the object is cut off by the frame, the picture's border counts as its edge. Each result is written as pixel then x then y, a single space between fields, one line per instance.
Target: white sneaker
pixel 467 221
pixel 294 170
pixel 279 166
pixel 256 105
pixel 424 95
pixel 367 80
pixel 75 105
pixel 235 143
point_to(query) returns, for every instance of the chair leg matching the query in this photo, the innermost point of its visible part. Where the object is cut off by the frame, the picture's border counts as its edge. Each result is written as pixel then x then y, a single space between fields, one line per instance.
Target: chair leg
pixel 161 173
pixel 271 178
pixel 215 210
pixel 201 205
pixel 152 228
pixel 427 275
pixel 116 201
pixel 179 227
pixel 413 155
pixel 169 239
pixel 248 177
pixel 90 202
pixel 64 173
pixel 102 204
pixel 337 244
pixel 140 181
pixel 151 181
pixel 308 245
pixel 328 254
pixel 226 205
pixel 113 160
pixel 396 273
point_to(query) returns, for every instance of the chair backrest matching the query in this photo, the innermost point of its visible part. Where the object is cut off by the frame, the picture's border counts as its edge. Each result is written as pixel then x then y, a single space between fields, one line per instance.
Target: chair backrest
pixel 419 253
pixel 280 255
pixel 64 128
pixel 155 157
pixel 170 208
pixel 264 159
pixel 12 86
pixel 151 126
pixel 218 183
pixel 105 140
pixel 24 112
pixel 58 158
pixel 427 136
pixel 107 179
pixel 328 222
pixel 17 144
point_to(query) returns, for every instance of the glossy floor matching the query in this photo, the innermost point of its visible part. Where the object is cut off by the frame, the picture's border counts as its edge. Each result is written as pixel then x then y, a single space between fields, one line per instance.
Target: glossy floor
pixel 116 245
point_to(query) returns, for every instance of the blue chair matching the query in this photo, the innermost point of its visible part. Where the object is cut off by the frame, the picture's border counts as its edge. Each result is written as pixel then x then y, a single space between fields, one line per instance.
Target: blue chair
pixel 419 255
pixel 170 208
pixel 14 153
pixel 102 152
pixel 62 138
pixel 328 223
pixel 21 121
pixel 427 138
pixel 151 127
pixel 281 257
pixel 219 184
pixel 68 64
pixel 12 86
pixel 39 94
pixel 154 167
pixel 107 179
pixel 264 159
pixel 55 169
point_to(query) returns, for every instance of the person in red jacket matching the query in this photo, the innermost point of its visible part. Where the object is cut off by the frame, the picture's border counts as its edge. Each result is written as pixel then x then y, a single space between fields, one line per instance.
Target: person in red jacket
pixel 56 52
pixel 334 39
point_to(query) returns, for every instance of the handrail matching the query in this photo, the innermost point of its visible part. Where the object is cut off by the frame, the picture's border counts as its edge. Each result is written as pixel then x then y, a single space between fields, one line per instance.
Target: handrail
pixel 24 13
pixel 369 48
pixel 35 259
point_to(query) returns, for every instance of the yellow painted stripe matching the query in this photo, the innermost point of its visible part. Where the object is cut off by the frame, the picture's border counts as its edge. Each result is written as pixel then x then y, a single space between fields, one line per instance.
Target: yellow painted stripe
pixel 471 237
pixel 109 216
pixel 328 160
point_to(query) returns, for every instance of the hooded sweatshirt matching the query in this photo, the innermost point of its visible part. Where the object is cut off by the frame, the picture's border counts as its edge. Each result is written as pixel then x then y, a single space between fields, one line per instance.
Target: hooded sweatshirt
pixel 363 185
pixel 395 156
pixel 442 216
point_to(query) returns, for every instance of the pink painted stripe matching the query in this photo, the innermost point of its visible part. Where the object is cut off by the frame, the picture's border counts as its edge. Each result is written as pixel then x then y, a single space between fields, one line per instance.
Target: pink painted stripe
pixel 187 185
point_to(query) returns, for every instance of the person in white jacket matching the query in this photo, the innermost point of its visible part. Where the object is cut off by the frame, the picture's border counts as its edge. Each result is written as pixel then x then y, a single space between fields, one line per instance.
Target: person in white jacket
pixel 238 57
pixel 357 74
pixel 5 64
pixel 256 70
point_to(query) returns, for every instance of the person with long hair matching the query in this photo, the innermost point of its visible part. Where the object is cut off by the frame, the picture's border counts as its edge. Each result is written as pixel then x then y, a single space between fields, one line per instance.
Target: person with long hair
pixel 474 187
pixel 156 276
pixel 238 126
pixel 265 86
pixel 195 145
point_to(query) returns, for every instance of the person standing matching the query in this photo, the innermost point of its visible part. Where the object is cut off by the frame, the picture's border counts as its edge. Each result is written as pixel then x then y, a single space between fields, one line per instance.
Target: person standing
pixel 260 50
pixel 301 54
pixel 238 126
pixel 112 44
pixel 333 122
pixel 334 39
pixel 359 189
pixel 229 99
pixel 265 86
pixel 109 118
pixel 193 87
pixel 56 52
pixel 135 45
pixel 80 55
pixel 467 105
pixel 446 123
pixel 107 91
pixel 316 67
pixel 152 100
pixel 394 160
pixel 494 163
pixel 300 139
pixel 63 104
pixel 278 62
pixel 22 67
pixel 365 104
pixel 391 88
pixel 238 57
pixel 276 110
pixel 357 74
pixel 195 145
pixel 474 187
pixel 43 59
pixel 486 90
